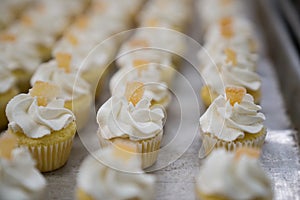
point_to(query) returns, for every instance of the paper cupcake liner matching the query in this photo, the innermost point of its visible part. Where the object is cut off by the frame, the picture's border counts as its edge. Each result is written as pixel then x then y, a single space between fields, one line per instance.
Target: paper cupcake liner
pixel 51 157
pixel 147 149
pixel 210 142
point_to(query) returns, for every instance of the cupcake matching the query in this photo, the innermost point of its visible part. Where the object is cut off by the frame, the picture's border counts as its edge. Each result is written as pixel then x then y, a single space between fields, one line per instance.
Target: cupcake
pixel 149 76
pixel 19 55
pixel 7 91
pixel 74 90
pixel 114 173
pixel 42 125
pixel 232 121
pixel 221 9
pixel 19 178
pixel 234 32
pixel 229 72
pixel 134 121
pixel 233 176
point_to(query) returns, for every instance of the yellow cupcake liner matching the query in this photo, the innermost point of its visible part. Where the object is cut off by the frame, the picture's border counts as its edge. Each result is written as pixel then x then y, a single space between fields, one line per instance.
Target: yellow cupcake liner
pixel 210 142
pixel 51 157
pixel 147 149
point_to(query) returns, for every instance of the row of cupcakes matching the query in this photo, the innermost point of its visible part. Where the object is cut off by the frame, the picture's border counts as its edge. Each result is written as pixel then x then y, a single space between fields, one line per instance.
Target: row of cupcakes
pixel 132 119
pixel 45 119
pixel 232 129
pixel 27 42
pixel 82 56
pixel 135 113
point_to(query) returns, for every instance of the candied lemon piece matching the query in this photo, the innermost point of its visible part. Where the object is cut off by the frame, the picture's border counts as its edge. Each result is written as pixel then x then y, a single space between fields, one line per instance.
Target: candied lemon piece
pixel 231 56
pixel 140 63
pixel 26 20
pixel 250 152
pixel 44 91
pixel 124 150
pixel 7 143
pixel 226 21
pixel 72 39
pixel 134 92
pixel 64 61
pixel 152 22
pixel 7 37
pixel 139 43
pixel 235 94
pixel 82 22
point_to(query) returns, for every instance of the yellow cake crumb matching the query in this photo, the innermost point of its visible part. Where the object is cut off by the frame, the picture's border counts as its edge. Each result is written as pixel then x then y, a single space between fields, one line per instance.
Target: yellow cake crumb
pixel 226 27
pixel 235 94
pixel 134 92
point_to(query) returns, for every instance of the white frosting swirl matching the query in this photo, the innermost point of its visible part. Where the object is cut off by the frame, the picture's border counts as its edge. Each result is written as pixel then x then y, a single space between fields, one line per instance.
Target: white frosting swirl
pixel 150 76
pixel 218 77
pixel 118 118
pixel 106 177
pixel 19 179
pixel 229 122
pixel 71 84
pixel 224 176
pixel 35 121
pixel 7 80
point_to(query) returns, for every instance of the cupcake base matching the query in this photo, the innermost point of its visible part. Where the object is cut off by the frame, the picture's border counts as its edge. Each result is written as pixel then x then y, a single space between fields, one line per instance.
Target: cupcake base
pixel 208 95
pixel 147 149
pixel 52 151
pixel 210 142
pixel 23 80
pixel 4 99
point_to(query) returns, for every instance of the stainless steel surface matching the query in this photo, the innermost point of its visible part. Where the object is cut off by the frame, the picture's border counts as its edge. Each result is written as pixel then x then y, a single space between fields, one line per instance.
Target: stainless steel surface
pixel 280 157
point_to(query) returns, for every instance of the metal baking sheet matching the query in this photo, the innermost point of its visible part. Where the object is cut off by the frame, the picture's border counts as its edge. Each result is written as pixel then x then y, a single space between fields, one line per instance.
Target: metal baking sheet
pixel 280 157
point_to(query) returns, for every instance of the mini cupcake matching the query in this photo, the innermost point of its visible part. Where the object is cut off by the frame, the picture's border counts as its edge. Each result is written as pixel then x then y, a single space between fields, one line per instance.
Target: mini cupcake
pixel 149 76
pixel 133 121
pixel 114 173
pixel 229 72
pixel 7 91
pixel 42 125
pixel 234 32
pixel 74 90
pixel 19 178
pixel 233 176
pixel 232 121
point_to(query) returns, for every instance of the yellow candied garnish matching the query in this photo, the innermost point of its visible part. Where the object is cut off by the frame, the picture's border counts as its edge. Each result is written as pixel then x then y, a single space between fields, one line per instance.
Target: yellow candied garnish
pixel 231 56
pixel 44 91
pixel 72 39
pixel 124 150
pixel 7 143
pixel 64 61
pixel 134 92
pixel 226 27
pixel 7 37
pixel 235 94
pixel 82 22
pixel 26 20
pixel 250 152
pixel 139 43
pixel 152 22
